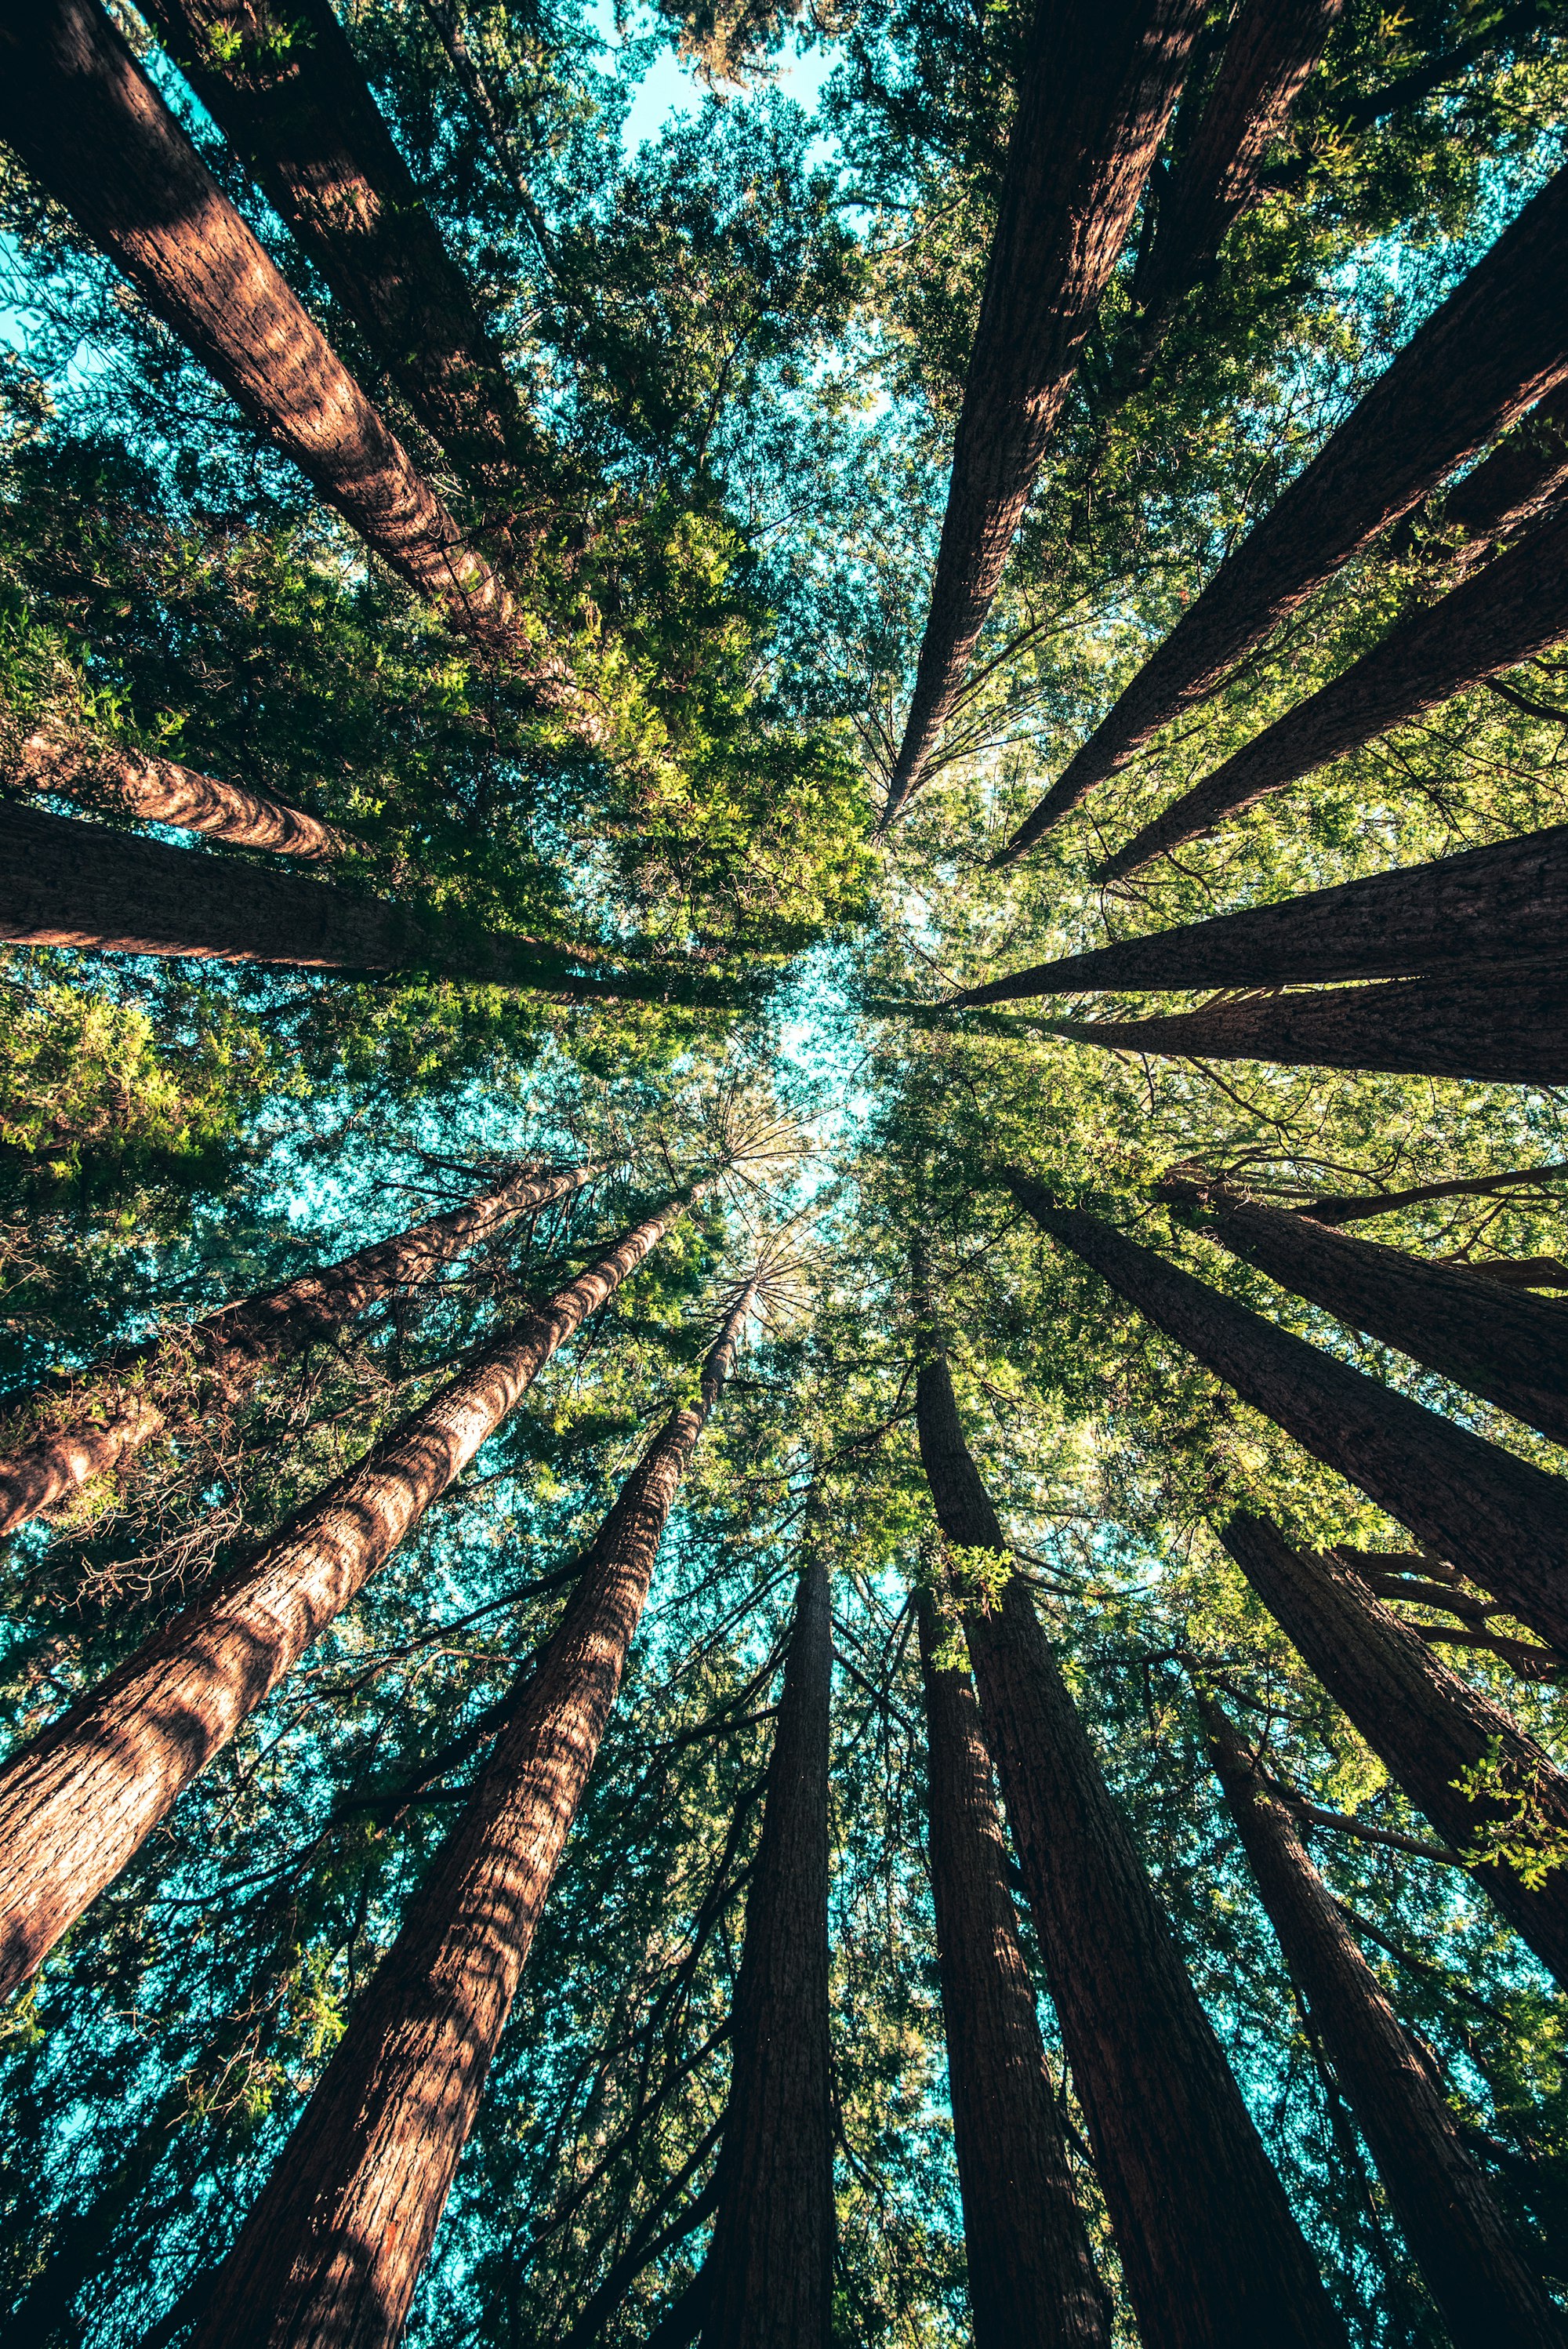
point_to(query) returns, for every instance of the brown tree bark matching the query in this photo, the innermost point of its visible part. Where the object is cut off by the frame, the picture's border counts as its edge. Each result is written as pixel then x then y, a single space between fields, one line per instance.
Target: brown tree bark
pixel 159 790
pixel 1356 1207
pixel 768 2279
pixel 1096 94
pixel 1511 609
pixel 332 2252
pixel 89 126
pixel 1481 2282
pixel 1500 1520
pixel 1488 353
pixel 1489 1030
pixel 78 1803
pixel 1525 474
pixel 1032 2280
pixel 1486 909
pixel 1426 1725
pixel 117 1404
pixel 1212 2255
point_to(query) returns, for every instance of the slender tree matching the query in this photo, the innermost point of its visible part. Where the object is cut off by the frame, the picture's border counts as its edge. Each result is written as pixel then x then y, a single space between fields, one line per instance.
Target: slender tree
pixel 1483 357
pixel 1096 93
pixel 1503 1521
pixel 54 1439
pixel 1481 2281
pixel 1362 1206
pixel 1458 1755
pixel 159 790
pixel 79 1801
pixel 1032 2280
pixel 332 2252
pixel 1524 474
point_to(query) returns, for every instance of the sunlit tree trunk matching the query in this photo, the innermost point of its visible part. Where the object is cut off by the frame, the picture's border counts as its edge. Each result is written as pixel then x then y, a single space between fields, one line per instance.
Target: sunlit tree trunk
pixel 1482 2284
pixel 78 1803
pixel 1032 2280
pixel 159 790
pixel 330 2255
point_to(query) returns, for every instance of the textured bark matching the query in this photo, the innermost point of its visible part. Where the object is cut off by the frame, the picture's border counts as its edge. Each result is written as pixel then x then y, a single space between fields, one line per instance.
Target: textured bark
pixel 89 126
pixel 1097 92
pixel 300 113
pixel 1487 908
pixel 1513 608
pixel 1425 1724
pixel 332 2252
pixel 1523 475
pixel 78 1803
pixel 120 1403
pixel 769 2276
pixel 1032 2280
pixel 1495 1030
pixel 159 790
pixel 1212 2256
pixel 1477 2278
pixel 1490 352
pixel 1500 1520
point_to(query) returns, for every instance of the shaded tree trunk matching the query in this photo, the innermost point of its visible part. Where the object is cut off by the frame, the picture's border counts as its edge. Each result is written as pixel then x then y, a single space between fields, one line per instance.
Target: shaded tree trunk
pixel 116 1405
pixel 768 2279
pixel 1361 1206
pixel 1513 608
pixel 89 126
pixel 1032 2280
pixel 1482 2284
pixel 333 2250
pixel 1096 94
pixel 1212 2255
pixel 159 790
pixel 1485 356
pixel 78 1803
pixel 1426 1725
pixel 1524 474
pixel 1501 1521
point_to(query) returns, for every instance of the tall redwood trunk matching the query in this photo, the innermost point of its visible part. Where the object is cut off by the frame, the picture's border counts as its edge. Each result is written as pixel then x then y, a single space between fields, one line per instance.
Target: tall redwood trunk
pixel 1097 92
pixel 78 1803
pixel 768 2280
pixel 1482 2284
pixel 330 2256
pixel 1501 1521
pixel 89 126
pixel 1501 615
pixel 1213 2257
pixel 116 1405
pixel 1426 1725
pixel 1494 346
pixel 1487 908
pixel 159 790
pixel 1032 2280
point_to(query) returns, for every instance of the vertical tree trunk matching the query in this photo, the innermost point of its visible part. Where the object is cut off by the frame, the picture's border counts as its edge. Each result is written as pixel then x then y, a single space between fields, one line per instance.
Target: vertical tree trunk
pixel 768 2280
pixel 1501 1521
pixel 116 1405
pixel 1490 352
pixel 1425 1724
pixel 1097 92
pixel 330 2255
pixel 1482 2284
pixel 159 790
pixel 78 1803
pixel 1212 2258
pixel 1032 2280
pixel 89 126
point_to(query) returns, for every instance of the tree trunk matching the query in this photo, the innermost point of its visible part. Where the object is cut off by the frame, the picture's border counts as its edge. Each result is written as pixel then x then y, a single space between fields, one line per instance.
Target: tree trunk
pixel 1488 1029
pixel 1487 908
pixel 89 126
pixel 1425 1724
pixel 285 87
pixel 1096 94
pixel 1362 1206
pixel 1491 351
pixel 1482 2286
pixel 1500 1521
pixel 330 2256
pixel 1032 2280
pixel 767 2279
pixel 1212 2256
pixel 1509 610
pixel 1523 476
pixel 159 791
pixel 116 1405
pixel 1512 1348
pixel 78 1803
